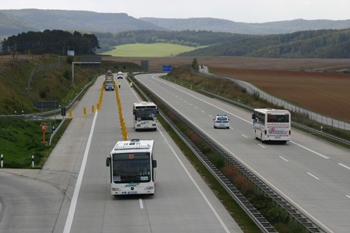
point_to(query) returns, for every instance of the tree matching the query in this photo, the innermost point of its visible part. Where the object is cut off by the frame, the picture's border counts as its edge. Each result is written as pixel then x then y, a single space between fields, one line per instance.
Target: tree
pixel 195 64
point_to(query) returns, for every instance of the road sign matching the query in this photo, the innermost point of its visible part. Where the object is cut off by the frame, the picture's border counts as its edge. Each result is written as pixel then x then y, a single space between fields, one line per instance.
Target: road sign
pixel 47 105
pixel 167 68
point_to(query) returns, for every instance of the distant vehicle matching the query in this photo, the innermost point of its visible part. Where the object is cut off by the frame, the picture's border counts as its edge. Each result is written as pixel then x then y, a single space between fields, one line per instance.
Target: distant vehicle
pixel 132 167
pixel 272 125
pixel 145 115
pixel 109 75
pixel 109 84
pixel 221 121
pixel 120 75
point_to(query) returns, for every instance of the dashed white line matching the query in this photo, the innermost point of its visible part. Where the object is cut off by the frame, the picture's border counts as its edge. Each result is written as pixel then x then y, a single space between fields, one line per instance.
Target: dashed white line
pixel 195 107
pixel 244 136
pixel 202 111
pixel 313 176
pixel 283 158
pixel 210 116
pixel 344 166
pixel 261 145
pixel 141 203
pixel 348 196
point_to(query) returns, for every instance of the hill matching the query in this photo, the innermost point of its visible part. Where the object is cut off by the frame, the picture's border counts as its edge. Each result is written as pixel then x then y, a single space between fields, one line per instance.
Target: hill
pixel 303 44
pixel 11 26
pixel 221 25
pixel 83 20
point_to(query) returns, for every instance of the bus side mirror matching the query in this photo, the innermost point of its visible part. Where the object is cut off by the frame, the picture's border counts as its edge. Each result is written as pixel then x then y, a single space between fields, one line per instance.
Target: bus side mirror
pixel 253 116
pixel 108 161
pixel 154 163
pixel 157 111
pixel 133 112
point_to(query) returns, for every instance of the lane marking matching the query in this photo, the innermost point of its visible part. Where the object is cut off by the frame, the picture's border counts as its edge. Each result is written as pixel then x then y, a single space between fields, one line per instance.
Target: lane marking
pixel 195 107
pixel 283 158
pixel 261 145
pixel 160 80
pixel 210 116
pixel 141 203
pixel 198 188
pixel 313 176
pixel 202 111
pixel 243 135
pixel 348 196
pixel 344 166
pixel 250 168
pixel 74 201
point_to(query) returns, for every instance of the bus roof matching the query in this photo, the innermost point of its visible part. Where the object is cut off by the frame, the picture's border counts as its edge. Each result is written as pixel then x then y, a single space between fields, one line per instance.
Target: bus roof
pixel 271 110
pixel 133 144
pixel 143 103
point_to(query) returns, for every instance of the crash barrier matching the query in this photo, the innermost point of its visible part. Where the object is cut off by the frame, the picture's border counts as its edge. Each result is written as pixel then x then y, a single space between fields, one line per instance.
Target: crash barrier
pixel 314 131
pixel 338 123
pixel 121 117
pixel 295 214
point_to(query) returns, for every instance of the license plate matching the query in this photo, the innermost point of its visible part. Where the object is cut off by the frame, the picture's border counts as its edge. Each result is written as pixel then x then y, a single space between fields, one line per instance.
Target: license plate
pixel 222 125
pixel 277 137
pixel 132 192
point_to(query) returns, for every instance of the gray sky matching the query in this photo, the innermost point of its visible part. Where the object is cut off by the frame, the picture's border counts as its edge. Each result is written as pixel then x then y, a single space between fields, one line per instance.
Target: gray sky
pixel 249 11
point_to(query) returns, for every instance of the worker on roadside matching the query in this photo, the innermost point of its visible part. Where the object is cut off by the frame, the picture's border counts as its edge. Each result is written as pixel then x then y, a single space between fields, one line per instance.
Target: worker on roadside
pixel 119 83
pixel 130 84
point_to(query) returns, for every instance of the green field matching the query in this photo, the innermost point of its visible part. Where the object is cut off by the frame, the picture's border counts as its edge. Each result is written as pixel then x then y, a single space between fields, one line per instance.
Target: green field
pixel 149 50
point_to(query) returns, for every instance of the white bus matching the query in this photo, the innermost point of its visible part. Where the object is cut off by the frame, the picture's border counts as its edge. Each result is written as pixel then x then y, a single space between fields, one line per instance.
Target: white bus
pixel 132 167
pixel 272 125
pixel 145 115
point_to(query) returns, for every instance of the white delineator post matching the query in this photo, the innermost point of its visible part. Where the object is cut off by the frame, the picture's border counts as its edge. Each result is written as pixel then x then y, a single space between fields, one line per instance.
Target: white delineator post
pixel 32 161
pixel 2 162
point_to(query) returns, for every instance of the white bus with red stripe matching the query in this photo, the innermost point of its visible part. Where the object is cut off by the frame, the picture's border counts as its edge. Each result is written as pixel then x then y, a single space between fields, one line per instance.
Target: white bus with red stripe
pixel 272 124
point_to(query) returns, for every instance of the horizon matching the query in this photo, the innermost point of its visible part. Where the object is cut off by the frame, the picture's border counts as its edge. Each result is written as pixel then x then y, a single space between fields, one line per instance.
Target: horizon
pixel 253 11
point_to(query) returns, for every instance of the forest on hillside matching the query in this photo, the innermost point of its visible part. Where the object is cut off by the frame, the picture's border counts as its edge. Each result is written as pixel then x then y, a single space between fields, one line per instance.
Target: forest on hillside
pixel 303 44
pixel 50 42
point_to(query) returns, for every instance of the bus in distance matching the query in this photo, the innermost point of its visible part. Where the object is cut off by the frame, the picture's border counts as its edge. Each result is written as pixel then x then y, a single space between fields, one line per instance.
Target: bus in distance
pixel 272 125
pixel 145 115
pixel 132 167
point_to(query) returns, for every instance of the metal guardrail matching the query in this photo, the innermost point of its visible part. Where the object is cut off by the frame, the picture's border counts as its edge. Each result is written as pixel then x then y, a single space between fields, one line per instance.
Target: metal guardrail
pixel 57 129
pixel 250 210
pixel 261 222
pixel 314 131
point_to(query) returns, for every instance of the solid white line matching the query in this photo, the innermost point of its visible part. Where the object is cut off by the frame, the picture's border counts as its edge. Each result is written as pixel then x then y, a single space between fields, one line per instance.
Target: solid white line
pixel 74 201
pixel 141 203
pixel 244 136
pixel 261 145
pixel 344 166
pixel 313 176
pixel 234 115
pixel 283 158
pixel 250 168
pixel 323 156
pixel 198 188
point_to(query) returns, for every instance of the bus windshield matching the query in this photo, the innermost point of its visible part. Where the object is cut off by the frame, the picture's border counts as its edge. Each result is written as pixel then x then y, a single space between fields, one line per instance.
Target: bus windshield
pixel 109 82
pixel 131 168
pixel 144 114
pixel 278 118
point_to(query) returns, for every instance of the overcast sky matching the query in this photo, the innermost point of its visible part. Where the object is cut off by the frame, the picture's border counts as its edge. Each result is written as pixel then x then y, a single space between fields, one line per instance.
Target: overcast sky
pixel 249 11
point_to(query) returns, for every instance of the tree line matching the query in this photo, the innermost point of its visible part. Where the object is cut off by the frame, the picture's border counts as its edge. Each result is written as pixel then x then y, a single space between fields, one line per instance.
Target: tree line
pixel 54 42
pixel 304 44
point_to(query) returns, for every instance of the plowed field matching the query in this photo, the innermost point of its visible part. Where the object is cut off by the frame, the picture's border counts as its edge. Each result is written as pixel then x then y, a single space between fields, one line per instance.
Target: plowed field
pixel 324 93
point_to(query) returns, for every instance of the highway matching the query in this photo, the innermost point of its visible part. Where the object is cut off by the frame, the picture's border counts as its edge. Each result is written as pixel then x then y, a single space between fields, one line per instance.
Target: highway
pixel 309 172
pixel 72 190
pixel 71 193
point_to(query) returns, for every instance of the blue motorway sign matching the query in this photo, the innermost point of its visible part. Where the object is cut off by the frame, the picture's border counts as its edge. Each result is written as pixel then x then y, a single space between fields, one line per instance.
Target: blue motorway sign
pixel 167 68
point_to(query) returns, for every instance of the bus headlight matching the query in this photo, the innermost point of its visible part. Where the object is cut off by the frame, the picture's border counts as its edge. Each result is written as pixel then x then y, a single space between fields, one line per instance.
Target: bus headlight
pixel 149 188
pixel 116 189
